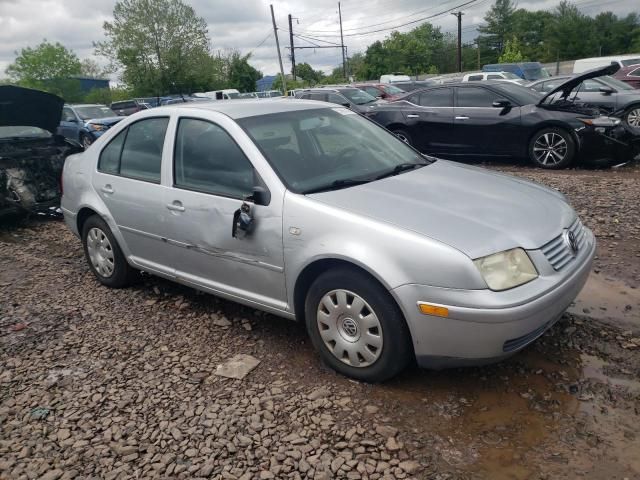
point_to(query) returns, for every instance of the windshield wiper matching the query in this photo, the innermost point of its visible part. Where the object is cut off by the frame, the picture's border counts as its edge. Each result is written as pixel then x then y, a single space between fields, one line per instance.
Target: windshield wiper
pixel 338 184
pixel 403 167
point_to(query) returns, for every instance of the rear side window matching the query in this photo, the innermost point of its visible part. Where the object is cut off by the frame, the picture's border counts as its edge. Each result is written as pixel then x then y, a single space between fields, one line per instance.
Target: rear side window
pixel 321 97
pixel 476 78
pixel 137 151
pixel 440 97
pixel 207 159
pixel 494 77
pixel 475 97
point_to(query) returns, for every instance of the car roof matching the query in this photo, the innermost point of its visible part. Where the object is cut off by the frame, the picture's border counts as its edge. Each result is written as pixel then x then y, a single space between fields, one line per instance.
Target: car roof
pixel 84 105
pixel 247 108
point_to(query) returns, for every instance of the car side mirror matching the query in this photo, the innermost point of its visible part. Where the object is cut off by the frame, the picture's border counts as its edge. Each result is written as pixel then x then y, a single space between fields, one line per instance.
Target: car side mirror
pixel 606 90
pixel 502 103
pixel 260 196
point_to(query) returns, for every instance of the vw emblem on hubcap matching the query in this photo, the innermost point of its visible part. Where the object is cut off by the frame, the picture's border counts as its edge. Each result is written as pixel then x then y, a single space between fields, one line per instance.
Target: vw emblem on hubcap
pixel 571 241
pixel 350 327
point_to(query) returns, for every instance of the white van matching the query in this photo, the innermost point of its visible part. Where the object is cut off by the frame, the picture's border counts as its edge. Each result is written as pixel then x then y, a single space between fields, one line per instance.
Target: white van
pixel 227 94
pixel 394 78
pixel 502 76
pixel 585 64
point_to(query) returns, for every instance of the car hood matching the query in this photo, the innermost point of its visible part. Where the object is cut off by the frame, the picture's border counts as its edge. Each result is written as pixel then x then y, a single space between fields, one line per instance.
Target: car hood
pixel 26 107
pixel 473 210
pixel 107 121
pixel 573 82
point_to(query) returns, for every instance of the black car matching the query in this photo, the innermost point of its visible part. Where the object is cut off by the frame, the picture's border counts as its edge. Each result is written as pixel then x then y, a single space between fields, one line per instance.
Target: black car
pixel 607 93
pixel 500 119
pixel 31 154
pixel 353 98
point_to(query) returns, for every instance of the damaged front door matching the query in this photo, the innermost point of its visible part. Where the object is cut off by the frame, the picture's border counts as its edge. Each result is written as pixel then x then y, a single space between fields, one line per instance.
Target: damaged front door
pixel 212 177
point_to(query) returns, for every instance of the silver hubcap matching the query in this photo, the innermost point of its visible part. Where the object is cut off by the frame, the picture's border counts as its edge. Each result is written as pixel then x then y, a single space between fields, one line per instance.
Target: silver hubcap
pixel 100 252
pixel 349 328
pixel 633 118
pixel 550 149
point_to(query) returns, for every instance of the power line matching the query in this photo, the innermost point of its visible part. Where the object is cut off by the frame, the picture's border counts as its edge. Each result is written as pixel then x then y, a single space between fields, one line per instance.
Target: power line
pixel 261 43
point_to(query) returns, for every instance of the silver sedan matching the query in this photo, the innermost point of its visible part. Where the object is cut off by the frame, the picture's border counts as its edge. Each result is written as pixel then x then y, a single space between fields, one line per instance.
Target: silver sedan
pixel 309 211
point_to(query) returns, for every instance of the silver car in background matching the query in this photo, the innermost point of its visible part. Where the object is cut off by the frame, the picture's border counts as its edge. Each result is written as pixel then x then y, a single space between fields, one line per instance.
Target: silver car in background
pixel 312 212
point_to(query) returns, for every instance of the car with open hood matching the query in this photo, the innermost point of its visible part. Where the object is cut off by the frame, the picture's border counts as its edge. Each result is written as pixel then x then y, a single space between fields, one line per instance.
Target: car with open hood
pixel 596 89
pixel 499 119
pixel 309 211
pixel 31 154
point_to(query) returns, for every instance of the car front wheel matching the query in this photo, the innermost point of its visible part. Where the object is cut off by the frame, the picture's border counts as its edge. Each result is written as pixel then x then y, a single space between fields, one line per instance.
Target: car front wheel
pixel 552 148
pixel 356 326
pixel 632 117
pixel 106 260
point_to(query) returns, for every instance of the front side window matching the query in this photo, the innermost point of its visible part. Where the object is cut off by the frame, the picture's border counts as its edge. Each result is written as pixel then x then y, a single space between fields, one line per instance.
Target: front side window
pixel 475 97
pixel 440 97
pixel 477 78
pixel 337 99
pixel 207 159
pixel 325 148
pixel 67 115
pixel 136 152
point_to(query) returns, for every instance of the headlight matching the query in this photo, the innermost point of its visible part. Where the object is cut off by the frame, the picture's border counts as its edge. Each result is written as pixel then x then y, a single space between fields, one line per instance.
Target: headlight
pixel 601 121
pixel 96 127
pixel 507 269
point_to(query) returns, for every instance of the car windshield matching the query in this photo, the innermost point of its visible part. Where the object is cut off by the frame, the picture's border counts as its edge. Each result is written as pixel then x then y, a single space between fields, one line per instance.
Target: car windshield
pixel 615 83
pixel 23 131
pixel 522 95
pixel 535 73
pixel 94 111
pixel 328 148
pixel 630 61
pixel 391 90
pixel 359 97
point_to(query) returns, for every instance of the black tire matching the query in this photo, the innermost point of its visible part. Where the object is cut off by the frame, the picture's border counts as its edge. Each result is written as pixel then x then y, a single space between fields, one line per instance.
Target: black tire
pixel 86 141
pixel 547 136
pixel 396 351
pixel 403 135
pixel 122 274
pixel 632 117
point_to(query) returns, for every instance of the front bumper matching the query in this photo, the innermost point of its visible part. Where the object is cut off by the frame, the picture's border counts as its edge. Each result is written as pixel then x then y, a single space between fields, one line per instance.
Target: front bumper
pixel 485 332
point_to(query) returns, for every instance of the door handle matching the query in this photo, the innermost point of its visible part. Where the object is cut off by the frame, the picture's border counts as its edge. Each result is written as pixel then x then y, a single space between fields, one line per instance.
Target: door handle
pixel 176 206
pixel 462 118
pixel 107 189
pixel 413 116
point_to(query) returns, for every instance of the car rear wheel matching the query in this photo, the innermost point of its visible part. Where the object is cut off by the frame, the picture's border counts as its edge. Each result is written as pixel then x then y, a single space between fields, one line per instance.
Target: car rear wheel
pixel 552 148
pixel 356 326
pixel 106 260
pixel 632 117
pixel 404 136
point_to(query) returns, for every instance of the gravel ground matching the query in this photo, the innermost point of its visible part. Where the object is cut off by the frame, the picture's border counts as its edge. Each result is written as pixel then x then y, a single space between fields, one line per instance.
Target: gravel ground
pixel 105 384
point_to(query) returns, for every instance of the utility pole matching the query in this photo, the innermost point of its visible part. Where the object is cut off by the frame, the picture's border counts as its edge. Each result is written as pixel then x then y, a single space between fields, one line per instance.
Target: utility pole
pixel 275 32
pixel 459 15
pixel 293 50
pixel 344 60
pixel 478 43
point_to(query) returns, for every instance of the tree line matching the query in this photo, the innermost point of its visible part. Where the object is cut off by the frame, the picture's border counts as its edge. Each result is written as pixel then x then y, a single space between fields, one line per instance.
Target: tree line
pixel 161 47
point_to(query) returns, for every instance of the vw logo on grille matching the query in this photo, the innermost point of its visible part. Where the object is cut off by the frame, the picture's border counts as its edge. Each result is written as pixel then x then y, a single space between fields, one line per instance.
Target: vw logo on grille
pixel 571 241
pixel 350 327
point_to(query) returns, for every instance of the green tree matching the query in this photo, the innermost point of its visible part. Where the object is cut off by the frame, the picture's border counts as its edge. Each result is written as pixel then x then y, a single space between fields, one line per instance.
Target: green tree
pixel 571 34
pixel 47 62
pixel 308 74
pixel 512 52
pixel 162 46
pixel 499 24
pixel 90 68
pixel 240 74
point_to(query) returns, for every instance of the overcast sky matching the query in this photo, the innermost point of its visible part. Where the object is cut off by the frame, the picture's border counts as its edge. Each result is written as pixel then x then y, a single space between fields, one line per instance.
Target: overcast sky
pixel 244 24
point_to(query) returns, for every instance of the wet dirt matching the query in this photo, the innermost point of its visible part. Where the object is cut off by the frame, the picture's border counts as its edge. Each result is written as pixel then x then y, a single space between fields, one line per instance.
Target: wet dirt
pixel 609 300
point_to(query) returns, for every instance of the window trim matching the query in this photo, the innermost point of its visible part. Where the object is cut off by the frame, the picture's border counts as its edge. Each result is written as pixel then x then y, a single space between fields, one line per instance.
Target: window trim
pixel 257 179
pixel 125 130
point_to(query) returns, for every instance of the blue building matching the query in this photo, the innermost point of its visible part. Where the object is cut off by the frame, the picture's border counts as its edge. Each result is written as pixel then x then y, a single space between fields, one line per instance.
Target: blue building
pixel 265 83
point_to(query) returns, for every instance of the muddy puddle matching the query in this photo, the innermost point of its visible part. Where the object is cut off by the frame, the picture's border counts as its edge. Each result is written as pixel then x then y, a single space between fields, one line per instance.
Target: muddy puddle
pixel 608 300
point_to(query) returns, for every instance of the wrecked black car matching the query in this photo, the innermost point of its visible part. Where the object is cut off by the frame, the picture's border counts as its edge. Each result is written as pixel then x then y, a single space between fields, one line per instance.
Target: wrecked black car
pixel 498 119
pixel 31 154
